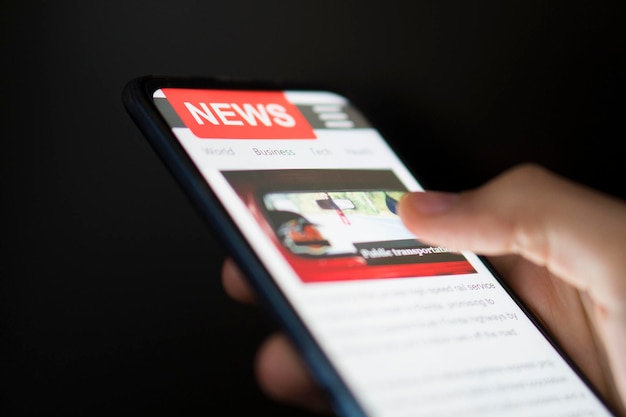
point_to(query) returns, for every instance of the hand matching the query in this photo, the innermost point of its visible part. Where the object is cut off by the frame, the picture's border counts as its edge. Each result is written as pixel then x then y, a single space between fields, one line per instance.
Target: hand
pixel 559 245
pixel 279 369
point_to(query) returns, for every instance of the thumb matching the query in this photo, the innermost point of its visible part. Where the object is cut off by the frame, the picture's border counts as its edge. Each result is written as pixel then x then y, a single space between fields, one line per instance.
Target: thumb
pixel 577 233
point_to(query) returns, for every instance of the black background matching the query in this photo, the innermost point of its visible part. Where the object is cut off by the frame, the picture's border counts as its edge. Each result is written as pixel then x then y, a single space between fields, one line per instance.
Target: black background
pixel 110 297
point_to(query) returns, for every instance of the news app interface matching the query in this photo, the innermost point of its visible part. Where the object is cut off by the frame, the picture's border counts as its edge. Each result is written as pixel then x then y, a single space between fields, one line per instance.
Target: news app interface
pixel 415 329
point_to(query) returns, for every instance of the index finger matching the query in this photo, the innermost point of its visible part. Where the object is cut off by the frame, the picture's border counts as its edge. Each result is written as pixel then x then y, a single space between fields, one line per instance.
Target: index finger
pixel 235 283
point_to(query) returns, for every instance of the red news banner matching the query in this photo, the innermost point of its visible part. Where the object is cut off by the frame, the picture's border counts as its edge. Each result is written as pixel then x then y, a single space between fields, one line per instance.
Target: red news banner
pixel 235 114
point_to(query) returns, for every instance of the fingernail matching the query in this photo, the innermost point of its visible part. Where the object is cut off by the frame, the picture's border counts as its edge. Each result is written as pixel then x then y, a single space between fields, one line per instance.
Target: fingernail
pixel 432 202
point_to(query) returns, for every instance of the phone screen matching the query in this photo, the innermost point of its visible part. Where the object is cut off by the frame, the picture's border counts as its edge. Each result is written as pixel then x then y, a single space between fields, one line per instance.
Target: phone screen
pixel 409 328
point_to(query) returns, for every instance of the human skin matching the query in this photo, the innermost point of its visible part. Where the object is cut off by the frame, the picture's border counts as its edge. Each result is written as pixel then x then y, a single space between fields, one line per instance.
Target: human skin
pixel 560 246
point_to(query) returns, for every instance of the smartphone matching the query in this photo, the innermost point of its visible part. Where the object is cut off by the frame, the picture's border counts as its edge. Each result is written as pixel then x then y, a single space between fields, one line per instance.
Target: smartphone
pixel 301 188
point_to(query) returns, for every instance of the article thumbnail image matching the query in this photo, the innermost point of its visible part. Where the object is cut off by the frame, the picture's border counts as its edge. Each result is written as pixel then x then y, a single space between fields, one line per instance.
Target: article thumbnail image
pixel 339 225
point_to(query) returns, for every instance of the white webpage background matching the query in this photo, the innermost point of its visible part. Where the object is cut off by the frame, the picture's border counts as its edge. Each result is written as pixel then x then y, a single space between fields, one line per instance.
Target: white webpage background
pixel 434 346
